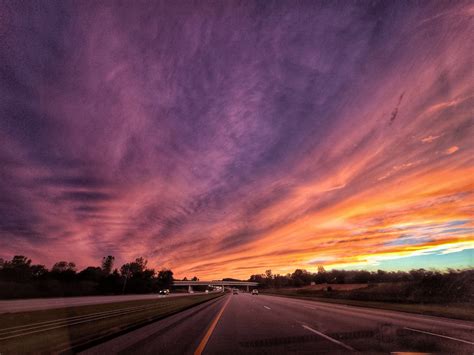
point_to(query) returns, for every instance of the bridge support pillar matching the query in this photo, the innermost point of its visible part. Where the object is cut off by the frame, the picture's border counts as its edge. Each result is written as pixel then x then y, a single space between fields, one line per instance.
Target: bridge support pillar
pixel 190 289
pixel 248 288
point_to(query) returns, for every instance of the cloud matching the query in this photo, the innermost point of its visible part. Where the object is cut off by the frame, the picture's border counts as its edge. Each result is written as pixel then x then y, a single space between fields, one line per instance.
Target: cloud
pixel 169 134
pixel 429 139
pixel 452 150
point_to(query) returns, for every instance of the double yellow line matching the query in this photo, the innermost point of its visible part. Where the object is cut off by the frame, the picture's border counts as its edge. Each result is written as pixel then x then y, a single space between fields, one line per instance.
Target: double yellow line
pixel 211 328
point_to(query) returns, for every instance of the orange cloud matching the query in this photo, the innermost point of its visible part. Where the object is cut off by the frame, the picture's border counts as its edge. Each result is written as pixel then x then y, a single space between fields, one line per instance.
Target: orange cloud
pixel 429 139
pixel 452 150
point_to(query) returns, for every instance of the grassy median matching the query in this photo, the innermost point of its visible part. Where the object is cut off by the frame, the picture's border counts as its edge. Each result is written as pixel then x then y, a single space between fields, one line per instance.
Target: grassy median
pixel 449 310
pixel 66 329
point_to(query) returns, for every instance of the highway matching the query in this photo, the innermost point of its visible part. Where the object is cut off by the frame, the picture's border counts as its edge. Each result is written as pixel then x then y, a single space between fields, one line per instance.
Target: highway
pixel 246 324
pixel 35 304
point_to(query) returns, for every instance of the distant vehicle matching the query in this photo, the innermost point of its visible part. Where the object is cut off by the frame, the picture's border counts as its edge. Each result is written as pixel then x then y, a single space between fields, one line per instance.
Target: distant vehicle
pixel 207 291
pixel 164 292
pixel 235 291
pixel 255 292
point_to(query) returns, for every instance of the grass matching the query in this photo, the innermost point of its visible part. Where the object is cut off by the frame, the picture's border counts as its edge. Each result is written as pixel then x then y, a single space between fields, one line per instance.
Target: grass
pixel 449 310
pixel 78 336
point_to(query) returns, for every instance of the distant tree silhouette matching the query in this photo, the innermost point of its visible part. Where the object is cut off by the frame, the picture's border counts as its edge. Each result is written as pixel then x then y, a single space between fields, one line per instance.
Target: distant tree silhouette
pixel 134 269
pixel 107 264
pixel 64 271
pixel 301 277
pixel 38 271
pixel 137 278
pixel 17 269
pixel 257 278
pixel 165 278
pixel 64 266
pixel 19 278
pixel 91 273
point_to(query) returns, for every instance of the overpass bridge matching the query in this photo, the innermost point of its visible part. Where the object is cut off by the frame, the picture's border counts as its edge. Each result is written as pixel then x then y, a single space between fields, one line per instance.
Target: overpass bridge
pixel 220 283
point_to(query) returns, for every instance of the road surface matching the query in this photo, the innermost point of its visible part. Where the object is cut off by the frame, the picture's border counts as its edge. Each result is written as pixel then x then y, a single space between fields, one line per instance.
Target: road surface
pixel 246 324
pixel 35 304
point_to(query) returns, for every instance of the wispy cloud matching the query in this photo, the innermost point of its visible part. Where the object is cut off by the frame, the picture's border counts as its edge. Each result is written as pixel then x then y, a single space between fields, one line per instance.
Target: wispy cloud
pixel 231 138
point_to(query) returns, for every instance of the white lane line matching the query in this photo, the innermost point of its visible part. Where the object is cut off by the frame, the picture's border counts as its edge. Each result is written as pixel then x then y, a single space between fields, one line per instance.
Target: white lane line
pixel 439 335
pixel 328 338
pixel 309 307
pixel 267 307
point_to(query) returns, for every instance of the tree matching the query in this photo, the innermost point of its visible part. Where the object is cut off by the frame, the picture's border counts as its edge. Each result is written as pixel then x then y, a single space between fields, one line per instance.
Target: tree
pixel 91 273
pixel 64 266
pixel 136 277
pixel 337 276
pixel 18 269
pixel 38 271
pixel 134 269
pixel 141 263
pixel 361 277
pixel 64 271
pixel 107 264
pixel 195 278
pixel 269 278
pixel 301 277
pixel 280 281
pixel 26 280
pixel 112 283
pixel 257 278
pixel 165 278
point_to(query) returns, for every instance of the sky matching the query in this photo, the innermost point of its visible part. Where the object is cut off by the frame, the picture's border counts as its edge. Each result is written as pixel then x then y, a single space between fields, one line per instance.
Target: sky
pixel 222 139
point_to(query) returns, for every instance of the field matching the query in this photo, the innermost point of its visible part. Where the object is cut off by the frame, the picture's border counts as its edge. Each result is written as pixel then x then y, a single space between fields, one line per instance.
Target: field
pixel 77 327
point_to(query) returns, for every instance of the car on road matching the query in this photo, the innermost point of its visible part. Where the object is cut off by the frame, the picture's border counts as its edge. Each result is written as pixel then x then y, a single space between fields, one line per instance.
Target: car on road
pixel 255 292
pixel 164 292
pixel 235 291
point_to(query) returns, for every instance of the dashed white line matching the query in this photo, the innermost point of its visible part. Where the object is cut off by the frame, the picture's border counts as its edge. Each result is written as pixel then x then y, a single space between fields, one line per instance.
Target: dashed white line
pixel 328 338
pixel 267 307
pixel 439 335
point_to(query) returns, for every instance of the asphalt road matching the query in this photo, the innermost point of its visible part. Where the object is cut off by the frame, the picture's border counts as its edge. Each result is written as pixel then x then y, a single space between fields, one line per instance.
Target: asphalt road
pixel 34 304
pixel 246 324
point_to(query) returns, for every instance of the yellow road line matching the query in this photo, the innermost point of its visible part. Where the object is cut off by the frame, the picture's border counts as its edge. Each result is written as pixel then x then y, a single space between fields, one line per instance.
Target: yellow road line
pixel 208 334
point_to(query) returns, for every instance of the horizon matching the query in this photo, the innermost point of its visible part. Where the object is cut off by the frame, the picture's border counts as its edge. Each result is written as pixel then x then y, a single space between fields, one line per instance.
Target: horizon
pixel 250 137
pixel 371 268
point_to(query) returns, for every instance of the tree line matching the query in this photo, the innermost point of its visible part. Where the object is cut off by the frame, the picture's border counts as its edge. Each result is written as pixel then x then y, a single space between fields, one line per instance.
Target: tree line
pixel 302 277
pixel 19 278
pixel 415 286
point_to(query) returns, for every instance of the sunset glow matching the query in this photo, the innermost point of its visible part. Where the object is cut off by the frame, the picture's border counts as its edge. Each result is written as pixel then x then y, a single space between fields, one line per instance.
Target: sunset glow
pixel 219 145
